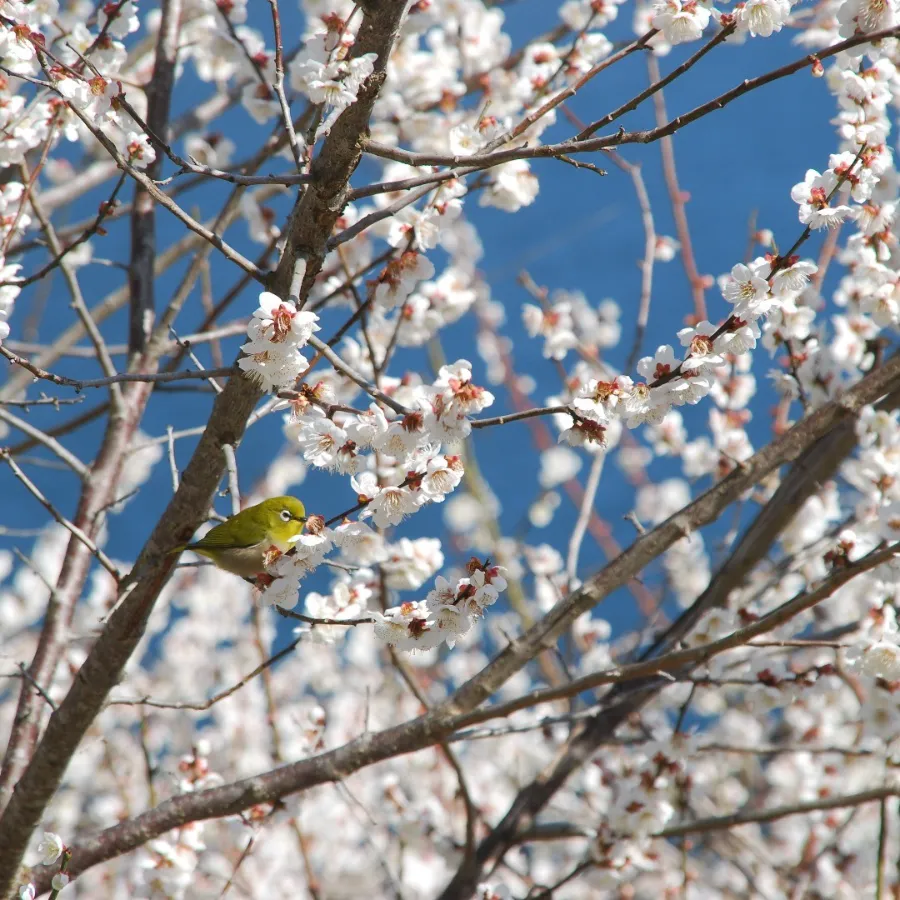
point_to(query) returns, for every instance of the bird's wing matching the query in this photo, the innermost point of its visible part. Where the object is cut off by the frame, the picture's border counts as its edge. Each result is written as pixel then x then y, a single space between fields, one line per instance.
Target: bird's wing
pixel 221 537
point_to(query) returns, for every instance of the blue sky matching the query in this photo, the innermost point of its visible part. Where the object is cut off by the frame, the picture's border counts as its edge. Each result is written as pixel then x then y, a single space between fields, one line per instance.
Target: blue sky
pixel 582 233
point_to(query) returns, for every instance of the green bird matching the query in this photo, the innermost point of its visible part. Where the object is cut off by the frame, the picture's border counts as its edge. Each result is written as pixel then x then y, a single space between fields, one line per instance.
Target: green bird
pixel 241 544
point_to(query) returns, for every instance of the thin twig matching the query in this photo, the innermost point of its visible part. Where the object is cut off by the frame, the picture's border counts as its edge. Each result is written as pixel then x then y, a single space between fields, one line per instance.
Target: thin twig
pixel 570 146
pixel 584 515
pixel 74 530
pixel 881 859
pixel 279 88
pixel 173 465
pixel 233 483
pixel 310 620
pixel 123 378
pixel 106 209
pixel 69 458
pixel 43 400
pixel 204 705
pixel 80 307
pixel 677 198
pixel 355 377
pixel 26 675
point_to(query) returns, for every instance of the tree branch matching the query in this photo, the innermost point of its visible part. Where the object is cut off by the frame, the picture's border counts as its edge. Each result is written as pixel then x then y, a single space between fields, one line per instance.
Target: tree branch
pixel 452 713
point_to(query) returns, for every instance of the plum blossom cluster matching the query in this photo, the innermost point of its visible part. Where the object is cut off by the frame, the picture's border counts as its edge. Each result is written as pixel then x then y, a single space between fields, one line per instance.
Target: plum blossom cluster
pixel 35 37
pixel 876 653
pixel 823 198
pixel 167 866
pixel 568 320
pixel 8 294
pixel 769 288
pixel 399 278
pixel 50 851
pixel 684 21
pixel 771 291
pixel 308 552
pixel 406 467
pixel 371 564
pixel 876 649
pixel 277 333
pixel 445 615
pixel 326 73
pixel 14 221
pixel 447 612
pixel 412 471
pixel 642 805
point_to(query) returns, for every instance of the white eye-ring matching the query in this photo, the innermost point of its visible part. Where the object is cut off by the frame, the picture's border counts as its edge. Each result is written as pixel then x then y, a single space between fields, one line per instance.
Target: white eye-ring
pixel 285 515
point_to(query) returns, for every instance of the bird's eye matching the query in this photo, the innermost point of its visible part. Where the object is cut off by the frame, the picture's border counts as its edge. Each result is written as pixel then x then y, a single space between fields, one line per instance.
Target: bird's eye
pixel 285 515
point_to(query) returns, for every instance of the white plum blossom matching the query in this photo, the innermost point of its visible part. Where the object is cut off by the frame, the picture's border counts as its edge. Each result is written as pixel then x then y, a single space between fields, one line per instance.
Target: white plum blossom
pixel 359 543
pixel 308 550
pixel 365 429
pixel 446 614
pixel 661 365
pixel 277 332
pixel 120 19
pixel 454 393
pixel 747 290
pixel 881 659
pixel 277 322
pixel 555 325
pixel 136 148
pixel 762 18
pixel 408 627
pixel 8 294
pixel 814 195
pixel 701 347
pixel 513 186
pixel 442 475
pixel 587 434
pixel 601 399
pixel 50 848
pixel 387 504
pixel 401 437
pixel 665 248
pixel 464 139
pixel 409 564
pixel 582 14
pixel 865 16
pixel 399 278
pixel 283 592
pixel 681 21
pixel 321 440
pixel 793 278
pixel 558 465
pixel 328 75
pixel 341 603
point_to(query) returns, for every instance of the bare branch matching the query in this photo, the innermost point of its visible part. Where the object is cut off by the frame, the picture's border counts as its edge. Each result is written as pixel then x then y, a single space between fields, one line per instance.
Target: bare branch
pixel 124 378
pixel 204 705
pixel 77 532
pixel 676 197
pixel 590 145
pixel 69 458
pixel 141 285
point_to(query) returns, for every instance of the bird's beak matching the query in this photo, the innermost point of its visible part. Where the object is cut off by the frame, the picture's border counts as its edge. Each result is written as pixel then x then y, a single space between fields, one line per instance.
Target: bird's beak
pixel 300 518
